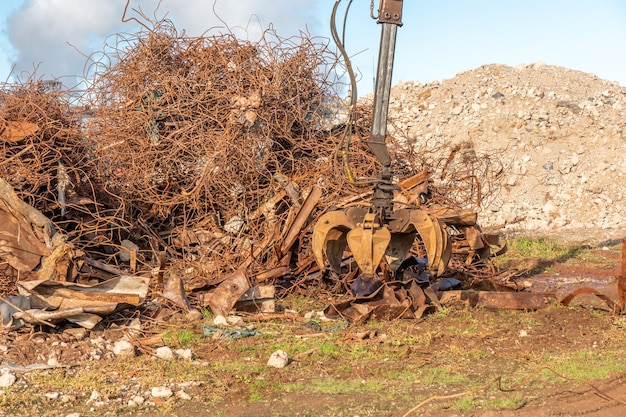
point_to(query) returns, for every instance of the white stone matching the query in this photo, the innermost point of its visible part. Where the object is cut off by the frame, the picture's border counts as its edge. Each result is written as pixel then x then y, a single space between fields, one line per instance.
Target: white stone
pixel 457 110
pixel 185 354
pixel 164 352
pixel 7 379
pixel 123 348
pixel 161 392
pixel 235 321
pixel 220 320
pixel 68 398
pixel 183 395
pixel 279 359
pixel 52 395
pixel 93 397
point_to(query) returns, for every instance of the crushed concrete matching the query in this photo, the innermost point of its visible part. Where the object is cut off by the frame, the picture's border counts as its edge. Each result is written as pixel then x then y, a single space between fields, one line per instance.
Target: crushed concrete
pixel 560 134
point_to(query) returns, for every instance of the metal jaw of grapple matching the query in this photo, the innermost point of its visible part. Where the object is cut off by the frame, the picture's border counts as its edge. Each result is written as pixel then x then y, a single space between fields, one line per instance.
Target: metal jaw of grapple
pixel 369 239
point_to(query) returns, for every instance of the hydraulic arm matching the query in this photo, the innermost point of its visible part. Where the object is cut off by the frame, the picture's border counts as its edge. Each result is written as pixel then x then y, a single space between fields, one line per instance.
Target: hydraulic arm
pixel 380 233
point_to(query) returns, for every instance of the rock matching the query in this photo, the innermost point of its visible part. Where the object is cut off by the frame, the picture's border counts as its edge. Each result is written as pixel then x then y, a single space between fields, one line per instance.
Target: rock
pixel 161 392
pixel 123 348
pixel 53 361
pixel 68 398
pixel 164 352
pixel 138 399
pixel 220 321
pixel 193 316
pixel 73 415
pixel 52 395
pixel 183 395
pixel 279 359
pixel 552 129
pixel 235 321
pixel 95 395
pixel 185 354
pixel 7 379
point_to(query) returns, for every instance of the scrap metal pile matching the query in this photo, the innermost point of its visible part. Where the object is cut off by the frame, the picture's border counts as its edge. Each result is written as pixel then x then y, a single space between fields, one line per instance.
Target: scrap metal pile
pixel 203 163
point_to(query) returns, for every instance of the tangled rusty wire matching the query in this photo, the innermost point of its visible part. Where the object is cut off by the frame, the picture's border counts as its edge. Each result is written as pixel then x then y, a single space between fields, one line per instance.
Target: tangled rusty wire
pixel 203 147
pixel 197 134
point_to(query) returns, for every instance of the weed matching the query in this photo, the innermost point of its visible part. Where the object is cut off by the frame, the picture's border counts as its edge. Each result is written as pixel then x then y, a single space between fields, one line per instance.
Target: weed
pixel 441 376
pixel 441 313
pixel 586 365
pixel 182 337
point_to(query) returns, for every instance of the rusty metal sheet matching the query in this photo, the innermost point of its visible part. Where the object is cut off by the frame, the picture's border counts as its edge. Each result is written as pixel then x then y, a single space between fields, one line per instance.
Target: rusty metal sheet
pixel 175 291
pixel 47 301
pixel 19 246
pixel 277 272
pixel 223 298
pixel 125 289
pixel 391 301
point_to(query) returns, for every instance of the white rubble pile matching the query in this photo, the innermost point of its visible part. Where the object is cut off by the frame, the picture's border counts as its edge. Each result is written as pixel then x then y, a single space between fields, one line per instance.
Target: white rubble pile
pixel 560 133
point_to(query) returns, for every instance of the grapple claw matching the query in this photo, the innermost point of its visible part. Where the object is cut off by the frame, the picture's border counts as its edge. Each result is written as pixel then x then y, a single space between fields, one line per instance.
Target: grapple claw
pixel 329 238
pixel 369 241
pixel 434 234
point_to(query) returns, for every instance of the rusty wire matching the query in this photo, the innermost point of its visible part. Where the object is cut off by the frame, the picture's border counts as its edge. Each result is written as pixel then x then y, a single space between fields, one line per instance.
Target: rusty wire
pixel 204 147
pixel 197 134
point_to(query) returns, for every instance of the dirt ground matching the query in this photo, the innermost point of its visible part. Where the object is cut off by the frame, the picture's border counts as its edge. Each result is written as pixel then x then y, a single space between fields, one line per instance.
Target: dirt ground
pixel 558 361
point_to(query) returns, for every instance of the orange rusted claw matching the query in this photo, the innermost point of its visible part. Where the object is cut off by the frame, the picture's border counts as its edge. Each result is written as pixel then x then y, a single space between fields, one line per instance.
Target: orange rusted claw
pixel 435 236
pixel 368 243
pixel 329 238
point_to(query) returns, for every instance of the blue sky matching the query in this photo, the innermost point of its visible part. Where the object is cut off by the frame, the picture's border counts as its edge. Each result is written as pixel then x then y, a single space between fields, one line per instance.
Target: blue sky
pixel 438 40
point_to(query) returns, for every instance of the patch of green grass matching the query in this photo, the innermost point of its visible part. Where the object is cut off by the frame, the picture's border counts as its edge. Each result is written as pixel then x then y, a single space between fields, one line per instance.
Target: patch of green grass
pixel 328 349
pixel 207 314
pixel 541 247
pixel 538 254
pixel 183 338
pixel 468 403
pixel 441 313
pixel 465 403
pixel 341 386
pixel 441 376
pixel 585 365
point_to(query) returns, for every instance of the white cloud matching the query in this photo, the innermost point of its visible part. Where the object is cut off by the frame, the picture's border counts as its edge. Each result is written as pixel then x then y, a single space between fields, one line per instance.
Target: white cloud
pixel 47 33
